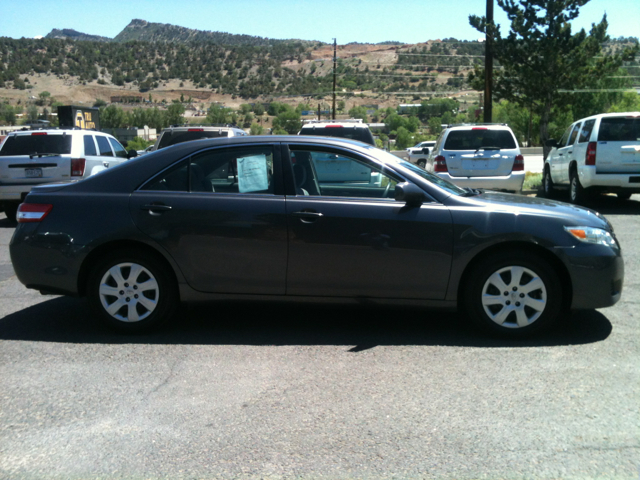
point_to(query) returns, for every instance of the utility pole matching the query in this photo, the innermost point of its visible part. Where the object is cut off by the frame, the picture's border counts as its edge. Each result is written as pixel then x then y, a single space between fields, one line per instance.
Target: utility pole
pixel 488 64
pixel 335 61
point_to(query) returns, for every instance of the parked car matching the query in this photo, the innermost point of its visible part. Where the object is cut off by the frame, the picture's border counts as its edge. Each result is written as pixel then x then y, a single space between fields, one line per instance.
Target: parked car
pixel 185 133
pixel 34 157
pixel 478 156
pixel 596 154
pixel 146 150
pixel 265 217
pixel 354 129
pixel 419 153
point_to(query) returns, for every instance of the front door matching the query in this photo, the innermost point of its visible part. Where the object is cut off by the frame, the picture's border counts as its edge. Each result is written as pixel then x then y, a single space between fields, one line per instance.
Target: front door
pixel 348 237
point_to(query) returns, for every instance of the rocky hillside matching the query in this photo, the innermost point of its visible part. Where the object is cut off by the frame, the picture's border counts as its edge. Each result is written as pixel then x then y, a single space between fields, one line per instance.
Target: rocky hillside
pixel 75 35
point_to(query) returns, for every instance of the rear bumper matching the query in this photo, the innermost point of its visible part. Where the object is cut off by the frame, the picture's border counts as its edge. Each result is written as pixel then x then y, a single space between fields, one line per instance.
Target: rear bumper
pixel 609 181
pixel 14 192
pixel 512 182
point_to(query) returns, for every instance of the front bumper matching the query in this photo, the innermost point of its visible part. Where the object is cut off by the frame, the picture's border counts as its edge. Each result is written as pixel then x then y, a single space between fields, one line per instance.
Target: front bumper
pixel 597 275
pixel 512 182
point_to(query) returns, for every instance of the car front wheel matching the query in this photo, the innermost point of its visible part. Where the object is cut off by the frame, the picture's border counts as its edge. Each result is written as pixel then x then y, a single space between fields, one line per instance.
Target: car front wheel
pixel 513 294
pixel 132 291
pixel 422 163
pixel 577 193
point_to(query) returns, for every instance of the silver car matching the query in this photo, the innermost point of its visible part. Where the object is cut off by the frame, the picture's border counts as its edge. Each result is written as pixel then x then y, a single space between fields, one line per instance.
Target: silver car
pixel 478 156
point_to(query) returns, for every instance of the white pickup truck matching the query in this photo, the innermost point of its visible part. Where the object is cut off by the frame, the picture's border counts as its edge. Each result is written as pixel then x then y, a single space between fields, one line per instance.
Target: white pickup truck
pixel 33 157
pixel 418 153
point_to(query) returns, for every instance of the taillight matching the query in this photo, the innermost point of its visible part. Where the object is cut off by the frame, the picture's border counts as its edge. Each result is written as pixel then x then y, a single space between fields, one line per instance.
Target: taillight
pixel 77 167
pixel 32 212
pixel 195 130
pixel 440 164
pixel 590 157
pixel 333 126
pixel 518 164
pixel 39 133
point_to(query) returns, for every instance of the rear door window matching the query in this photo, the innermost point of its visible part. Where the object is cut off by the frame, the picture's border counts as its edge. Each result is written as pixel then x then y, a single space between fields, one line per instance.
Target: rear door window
pixel 103 145
pixel 619 129
pixel 585 133
pixel 89 145
pixel 475 139
pixel 36 144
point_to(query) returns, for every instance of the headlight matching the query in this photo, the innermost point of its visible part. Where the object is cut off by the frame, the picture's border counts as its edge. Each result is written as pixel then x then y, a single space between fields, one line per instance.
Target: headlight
pixel 596 236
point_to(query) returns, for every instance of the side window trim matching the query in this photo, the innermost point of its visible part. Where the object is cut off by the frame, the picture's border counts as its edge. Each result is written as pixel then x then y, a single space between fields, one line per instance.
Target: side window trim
pixel 277 173
pixel 356 156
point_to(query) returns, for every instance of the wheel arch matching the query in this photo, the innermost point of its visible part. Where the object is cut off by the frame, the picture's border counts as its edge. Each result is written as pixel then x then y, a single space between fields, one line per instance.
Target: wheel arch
pixel 97 253
pixel 520 247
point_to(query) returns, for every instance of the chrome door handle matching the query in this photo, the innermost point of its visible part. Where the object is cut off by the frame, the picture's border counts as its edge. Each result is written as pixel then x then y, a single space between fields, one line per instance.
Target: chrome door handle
pixel 306 216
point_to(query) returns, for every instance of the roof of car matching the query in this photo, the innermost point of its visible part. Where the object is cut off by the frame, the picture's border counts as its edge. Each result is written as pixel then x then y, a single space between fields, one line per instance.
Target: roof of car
pixel 58 131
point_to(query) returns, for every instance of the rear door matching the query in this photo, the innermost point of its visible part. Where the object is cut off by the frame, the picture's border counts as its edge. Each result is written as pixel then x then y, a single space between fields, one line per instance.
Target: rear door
pixel 618 147
pixel 480 152
pixel 221 215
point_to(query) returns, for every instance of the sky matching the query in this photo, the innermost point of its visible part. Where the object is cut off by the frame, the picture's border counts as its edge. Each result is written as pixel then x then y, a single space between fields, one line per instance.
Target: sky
pixel 364 21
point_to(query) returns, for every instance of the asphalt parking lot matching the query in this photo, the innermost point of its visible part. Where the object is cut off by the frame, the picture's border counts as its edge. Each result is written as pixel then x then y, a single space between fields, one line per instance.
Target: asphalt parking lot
pixel 280 391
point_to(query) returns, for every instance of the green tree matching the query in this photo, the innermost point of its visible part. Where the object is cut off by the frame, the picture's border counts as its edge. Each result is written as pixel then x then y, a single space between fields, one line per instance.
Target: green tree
pixel 542 59
pixel 289 121
pixel 256 129
pixel 99 103
pixel 258 109
pixel 32 113
pixel 403 138
pixel 112 117
pixel 43 98
pixel 359 112
pixel 7 114
pixel 174 114
pixel 435 125
pixel 219 114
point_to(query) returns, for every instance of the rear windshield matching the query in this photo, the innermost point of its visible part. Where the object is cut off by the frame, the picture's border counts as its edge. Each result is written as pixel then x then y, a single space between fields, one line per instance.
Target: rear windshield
pixel 475 139
pixel 360 134
pixel 619 129
pixel 36 144
pixel 171 138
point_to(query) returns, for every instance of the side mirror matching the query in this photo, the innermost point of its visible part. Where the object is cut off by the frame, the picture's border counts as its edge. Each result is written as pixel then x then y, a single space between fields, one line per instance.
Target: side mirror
pixel 425 150
pixel 552 143
pixel 409 193
pixel 132 154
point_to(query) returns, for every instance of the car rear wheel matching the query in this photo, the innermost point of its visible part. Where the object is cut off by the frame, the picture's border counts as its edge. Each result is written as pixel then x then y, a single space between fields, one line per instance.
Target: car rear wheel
pixel 132 291
pixel 547 184
pixel 513 294
pixel 11 210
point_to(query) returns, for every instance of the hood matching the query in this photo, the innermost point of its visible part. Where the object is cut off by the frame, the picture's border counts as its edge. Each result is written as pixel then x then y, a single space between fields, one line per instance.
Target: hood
pixel 525 206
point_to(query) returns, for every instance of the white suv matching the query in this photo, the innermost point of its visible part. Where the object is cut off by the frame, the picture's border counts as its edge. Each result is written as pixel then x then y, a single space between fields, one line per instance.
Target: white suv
pixel 185 133
pixel 354 129
pixel 478 156
pixel 33 157
pixel 596 154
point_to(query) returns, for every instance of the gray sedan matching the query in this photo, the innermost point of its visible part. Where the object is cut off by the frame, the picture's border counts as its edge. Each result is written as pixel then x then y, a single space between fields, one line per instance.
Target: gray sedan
pixel 299 218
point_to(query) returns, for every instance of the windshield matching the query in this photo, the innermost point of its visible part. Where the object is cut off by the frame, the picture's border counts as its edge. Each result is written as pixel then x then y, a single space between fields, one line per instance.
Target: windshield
pixel 430 177
pixel 477 138
pixel 36 144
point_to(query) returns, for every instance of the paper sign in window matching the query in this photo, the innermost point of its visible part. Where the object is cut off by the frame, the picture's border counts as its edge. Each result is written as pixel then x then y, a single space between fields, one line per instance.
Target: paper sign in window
pixel 252 174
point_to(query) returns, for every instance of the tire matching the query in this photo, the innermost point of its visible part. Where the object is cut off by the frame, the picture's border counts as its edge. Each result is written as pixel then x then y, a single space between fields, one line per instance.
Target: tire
pixel 11 210
pixel 422 163
pixel 577 193
pixel 513 294
pixel 547 184
pixel 624 196
pixel 144 288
